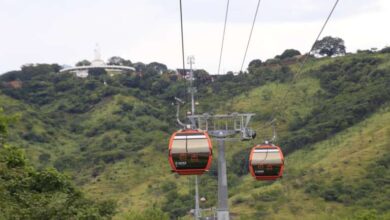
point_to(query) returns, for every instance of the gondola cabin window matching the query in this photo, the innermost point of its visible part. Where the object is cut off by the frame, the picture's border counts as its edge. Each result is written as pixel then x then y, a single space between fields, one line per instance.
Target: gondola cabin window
pixel 266 162
pixel 190 152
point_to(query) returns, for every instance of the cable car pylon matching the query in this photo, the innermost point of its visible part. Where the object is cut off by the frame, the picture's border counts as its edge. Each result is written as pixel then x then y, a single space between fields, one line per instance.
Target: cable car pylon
pixel 192 90
pixel 192 140
pixel 223 127
pixel 190 149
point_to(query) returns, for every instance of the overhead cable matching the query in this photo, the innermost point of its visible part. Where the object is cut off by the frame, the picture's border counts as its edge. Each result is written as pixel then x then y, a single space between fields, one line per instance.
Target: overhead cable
pixel 223 36
pixel 250 34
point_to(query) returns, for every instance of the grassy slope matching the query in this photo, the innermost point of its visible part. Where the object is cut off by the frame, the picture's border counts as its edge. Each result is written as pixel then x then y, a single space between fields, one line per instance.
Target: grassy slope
pixel 277 100
pixel 299 101
pixel 29 121
pixel 136 181
pixel 347 155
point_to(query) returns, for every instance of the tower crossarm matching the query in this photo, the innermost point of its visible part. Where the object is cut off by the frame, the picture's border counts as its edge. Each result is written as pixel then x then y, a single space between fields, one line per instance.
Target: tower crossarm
pixel 224 125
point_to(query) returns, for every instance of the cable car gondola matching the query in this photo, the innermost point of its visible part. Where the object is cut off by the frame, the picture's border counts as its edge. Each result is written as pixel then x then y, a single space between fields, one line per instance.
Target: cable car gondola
pixel 266 162
pixel 190 152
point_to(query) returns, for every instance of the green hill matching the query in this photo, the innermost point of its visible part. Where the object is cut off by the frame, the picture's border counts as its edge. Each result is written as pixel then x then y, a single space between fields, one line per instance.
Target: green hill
pixel 110 134
pixel 27 193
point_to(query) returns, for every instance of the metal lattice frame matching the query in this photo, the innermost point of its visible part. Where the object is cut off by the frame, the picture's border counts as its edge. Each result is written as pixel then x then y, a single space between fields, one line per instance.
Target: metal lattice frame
pixel 224 125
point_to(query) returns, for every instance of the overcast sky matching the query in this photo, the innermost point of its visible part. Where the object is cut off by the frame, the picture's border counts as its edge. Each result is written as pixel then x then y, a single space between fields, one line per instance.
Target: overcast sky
pixel 66 31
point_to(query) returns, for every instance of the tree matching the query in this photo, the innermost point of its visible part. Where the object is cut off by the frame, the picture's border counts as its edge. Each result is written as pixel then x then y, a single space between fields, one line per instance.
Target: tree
pixel 83 63
pixel 385 50
pixel 329 46
pixel 202 77
pixel 288 53
pixel 119 61
pixel 254 63
pixel 97 72
pixel 139 67
pixel 42 70
pixel 4 122
pixel 158 67
pixel 3 126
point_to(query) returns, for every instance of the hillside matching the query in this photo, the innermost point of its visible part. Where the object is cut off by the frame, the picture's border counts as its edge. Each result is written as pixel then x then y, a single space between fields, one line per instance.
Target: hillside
pixel 345 176
pixel 110 135
pixel 27 193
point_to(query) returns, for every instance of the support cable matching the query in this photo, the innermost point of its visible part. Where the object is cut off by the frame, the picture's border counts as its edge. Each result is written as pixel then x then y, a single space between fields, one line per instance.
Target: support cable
pixel 223 36
pixel 182 35
pixel 299 72
pixel 182 50
pixel 250 34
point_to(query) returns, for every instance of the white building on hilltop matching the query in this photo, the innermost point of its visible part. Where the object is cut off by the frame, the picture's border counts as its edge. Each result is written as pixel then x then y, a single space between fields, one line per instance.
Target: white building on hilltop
pixel 97 63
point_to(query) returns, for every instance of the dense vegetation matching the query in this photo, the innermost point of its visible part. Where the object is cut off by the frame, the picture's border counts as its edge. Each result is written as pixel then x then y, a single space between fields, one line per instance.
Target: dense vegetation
pixel 352 89
pixel 26 193
pixel 109 134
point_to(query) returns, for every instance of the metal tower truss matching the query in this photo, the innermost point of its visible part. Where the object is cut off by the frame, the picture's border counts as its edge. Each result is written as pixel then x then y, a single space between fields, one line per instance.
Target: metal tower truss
pixel 228 126
pixel 224 127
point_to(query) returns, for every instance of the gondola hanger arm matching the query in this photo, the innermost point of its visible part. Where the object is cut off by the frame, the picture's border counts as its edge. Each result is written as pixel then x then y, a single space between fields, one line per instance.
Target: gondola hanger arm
pixel 178 102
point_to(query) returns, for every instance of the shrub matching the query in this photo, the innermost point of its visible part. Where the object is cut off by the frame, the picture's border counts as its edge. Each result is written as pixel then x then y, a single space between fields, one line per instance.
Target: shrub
pixel 288 54
pixel 49 180
pixel 147 214
pixel 14 157
pixel 66 162
pixel 44 158
pixel 238 200
pixel 241 158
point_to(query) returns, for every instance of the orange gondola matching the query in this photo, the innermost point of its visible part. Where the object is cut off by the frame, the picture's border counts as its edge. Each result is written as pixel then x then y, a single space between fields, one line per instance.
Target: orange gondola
pixel 266 162
pixel 190 152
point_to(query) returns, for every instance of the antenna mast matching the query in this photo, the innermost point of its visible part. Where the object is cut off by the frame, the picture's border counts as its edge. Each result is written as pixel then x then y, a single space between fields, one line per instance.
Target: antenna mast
pixel 192 89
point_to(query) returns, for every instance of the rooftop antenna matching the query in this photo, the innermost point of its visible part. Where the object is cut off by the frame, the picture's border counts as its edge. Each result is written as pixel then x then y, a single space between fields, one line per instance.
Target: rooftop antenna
pixel 192 90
